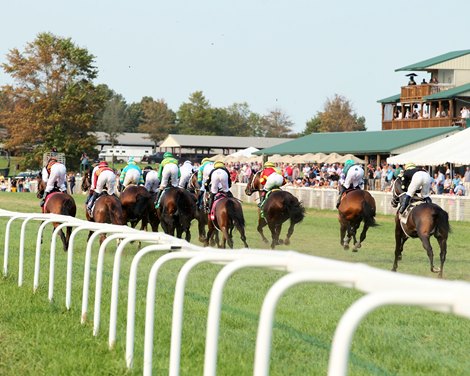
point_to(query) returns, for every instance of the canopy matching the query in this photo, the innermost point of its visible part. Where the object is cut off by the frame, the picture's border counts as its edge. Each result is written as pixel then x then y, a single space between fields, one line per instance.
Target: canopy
pixel 248 152
pixel 452 149
pixel 345 157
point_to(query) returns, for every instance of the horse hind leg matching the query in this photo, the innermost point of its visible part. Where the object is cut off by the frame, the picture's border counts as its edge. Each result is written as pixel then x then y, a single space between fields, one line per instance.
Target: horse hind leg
pixel 425 240
pixel 443 247
pixel 290 231
pixel 262 223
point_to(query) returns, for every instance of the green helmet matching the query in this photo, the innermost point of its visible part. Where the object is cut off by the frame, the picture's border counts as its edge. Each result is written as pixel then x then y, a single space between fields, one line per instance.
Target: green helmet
pixel 348 163
pixel 168 155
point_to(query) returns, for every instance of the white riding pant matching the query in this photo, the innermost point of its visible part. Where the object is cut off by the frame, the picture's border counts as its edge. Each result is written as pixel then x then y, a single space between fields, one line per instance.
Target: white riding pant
pixel 274 180
pixel 184 178
pixel 132 177
pixel 106 178
pixel 354 178
pixel 420 180
pixel 151 181
pixel 219 181
pixel 57 175
pixel 205 175
pixel 170 172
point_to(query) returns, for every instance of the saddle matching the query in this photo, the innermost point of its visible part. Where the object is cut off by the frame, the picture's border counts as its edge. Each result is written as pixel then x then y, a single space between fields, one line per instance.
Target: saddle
pixel 219 196
pixel 103 193
pixel 268 193
pixel 415 201
pixel 48 197
pixel 157 204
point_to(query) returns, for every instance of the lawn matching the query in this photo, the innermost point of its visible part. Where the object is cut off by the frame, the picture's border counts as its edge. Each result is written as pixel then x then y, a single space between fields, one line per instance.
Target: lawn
pixel 43 338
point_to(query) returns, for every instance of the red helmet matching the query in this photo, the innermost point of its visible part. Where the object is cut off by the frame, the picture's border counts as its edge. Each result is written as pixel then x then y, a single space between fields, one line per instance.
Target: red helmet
pixel 103 164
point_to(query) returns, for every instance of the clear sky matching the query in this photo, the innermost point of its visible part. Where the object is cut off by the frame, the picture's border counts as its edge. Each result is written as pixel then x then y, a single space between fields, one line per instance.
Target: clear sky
pixel 290 54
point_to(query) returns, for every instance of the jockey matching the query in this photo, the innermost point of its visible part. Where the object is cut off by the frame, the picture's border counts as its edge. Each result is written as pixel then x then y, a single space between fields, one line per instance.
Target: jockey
pixel 131 174
pixel 270 178
pixel 151 179
pixel 103 176
pixel 218 180
pixel 354 178
pixel 413 179
pixel 202 175
pixel 186 171
pixel 54 173
pixel 168 171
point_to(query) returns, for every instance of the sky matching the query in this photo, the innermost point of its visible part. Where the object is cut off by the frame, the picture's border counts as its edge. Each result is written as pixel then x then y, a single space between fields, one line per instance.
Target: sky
pixel 291 55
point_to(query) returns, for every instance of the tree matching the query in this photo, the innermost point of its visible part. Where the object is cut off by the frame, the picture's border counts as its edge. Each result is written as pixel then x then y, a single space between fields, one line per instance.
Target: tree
pixel 312 126
pixel 276 124
pixel 135 117
pixel 114 118
pixel 240 120
pixel 338 116
pixel 197 116
pixel 157 119
pixel 52 101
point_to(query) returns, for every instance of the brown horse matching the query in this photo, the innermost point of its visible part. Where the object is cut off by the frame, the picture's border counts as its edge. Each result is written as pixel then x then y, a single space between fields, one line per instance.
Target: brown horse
pixel 106 209
pixel 226 214
pixel 138 205
pixel 420 220
pixel 278 207
pixel 58 203
pixel 356 206
pixel 201 216
pixel 177 208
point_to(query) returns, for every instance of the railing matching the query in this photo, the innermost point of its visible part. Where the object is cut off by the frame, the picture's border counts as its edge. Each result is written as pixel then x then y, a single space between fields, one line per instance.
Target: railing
pixel 381 287
pixel 419 123
pixel 417 92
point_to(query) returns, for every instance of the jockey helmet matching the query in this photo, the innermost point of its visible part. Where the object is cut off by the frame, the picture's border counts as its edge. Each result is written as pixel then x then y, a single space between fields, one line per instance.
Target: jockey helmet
pixel 219 164
pixel 410 166
pixel 131 159
pixel 52 159
pixel 187 162
pixel 349 162
pixel 204 160
pixel 269 164
pixel 167 155
pixel 103 164
pixel 148 168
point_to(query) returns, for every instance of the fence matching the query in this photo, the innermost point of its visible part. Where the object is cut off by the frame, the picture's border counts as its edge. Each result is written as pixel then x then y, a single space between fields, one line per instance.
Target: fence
pixel 381 287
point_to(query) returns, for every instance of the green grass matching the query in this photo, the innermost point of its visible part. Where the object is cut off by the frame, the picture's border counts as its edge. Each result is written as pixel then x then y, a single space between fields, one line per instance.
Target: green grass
pixel 42 338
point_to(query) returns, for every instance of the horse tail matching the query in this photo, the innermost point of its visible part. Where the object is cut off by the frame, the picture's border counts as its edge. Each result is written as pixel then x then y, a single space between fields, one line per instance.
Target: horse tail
pixel 368 213
pixel 296 211
pixel 442 221
pixel 236 215
pixel 69 208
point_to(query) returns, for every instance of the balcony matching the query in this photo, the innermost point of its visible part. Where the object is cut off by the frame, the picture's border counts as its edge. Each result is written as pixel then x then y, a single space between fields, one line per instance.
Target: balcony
pixel 419 123
pixel 415 93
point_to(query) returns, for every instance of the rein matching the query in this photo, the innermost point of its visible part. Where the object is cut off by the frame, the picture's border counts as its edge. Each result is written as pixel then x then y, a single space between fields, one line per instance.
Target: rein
pixel 252 184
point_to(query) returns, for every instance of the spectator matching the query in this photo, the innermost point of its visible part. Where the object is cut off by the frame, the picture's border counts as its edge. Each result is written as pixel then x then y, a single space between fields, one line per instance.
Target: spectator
pixel 84 162
pixel 440 183
pixel 459 189
pixel 71 181
pixel 377 177
pixel 370 177
pixel 447 184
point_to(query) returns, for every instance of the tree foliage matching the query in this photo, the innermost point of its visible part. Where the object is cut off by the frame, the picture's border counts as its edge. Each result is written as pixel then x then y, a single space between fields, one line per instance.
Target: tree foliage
pixel 52 101
pixel 276 124
pixel 338 115
pixel 157 119
pixel 197 116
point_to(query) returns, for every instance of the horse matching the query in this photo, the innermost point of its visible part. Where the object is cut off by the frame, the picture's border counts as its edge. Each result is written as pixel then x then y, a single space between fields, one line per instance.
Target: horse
pixel 138 205
pixel 226 214
pixel 420 220
pixel 356 206
pixel 177 208
pixel 58 203
pixel 278 207
pixel 86 180
pixel 106 209
pixel 201 216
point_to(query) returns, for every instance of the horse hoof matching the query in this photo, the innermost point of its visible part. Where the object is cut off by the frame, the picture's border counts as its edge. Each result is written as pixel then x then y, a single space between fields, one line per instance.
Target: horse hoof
pixel 357 245
pixel 280 242
pixel 435 270
pixel 266 240
pixel 286 242
pixel 345 247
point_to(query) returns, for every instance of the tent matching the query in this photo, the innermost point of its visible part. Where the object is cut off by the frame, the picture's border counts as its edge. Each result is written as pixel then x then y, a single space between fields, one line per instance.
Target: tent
pixel 452 149
pixel 345 157
pixel 248 152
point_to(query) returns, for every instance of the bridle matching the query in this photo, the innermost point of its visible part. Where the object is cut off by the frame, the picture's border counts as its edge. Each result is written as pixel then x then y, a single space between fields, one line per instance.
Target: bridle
pixel 396 196
pixel 252 183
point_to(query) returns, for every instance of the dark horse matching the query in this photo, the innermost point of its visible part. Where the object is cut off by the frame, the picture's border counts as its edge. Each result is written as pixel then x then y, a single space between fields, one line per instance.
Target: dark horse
pixel 422 220
pixel 138 205
pixel 58 203
pixel 278 207
pixel 176 210
pixel 201 216
pixel 107 209
pixel 356 206
pixel 227 214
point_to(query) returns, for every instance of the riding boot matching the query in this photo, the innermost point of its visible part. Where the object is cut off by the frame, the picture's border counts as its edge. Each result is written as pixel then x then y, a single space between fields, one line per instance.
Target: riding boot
pixel 199 200
pixel 405 204
pixel 261 198
pixel 428 200
pixel 92 201
pixel 209 202
pixel 340 193
pixel 43 199
pixel 157 195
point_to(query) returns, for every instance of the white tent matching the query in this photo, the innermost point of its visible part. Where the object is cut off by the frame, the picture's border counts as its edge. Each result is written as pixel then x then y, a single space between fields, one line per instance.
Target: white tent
pixel 248 152
pixel 452 149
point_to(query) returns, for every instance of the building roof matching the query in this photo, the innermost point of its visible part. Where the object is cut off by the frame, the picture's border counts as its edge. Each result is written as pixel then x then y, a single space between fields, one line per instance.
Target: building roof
pixel 126 138
pixel 425 64
pixel 220 142
pixel 358 143
pixel 459 91
pixel 392 99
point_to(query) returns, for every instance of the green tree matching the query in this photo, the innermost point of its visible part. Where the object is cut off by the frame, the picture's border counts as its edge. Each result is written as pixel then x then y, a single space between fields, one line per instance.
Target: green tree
pixel 312 126
pixel 197 116
pixel 276 124
pixel 135 117
pixel 338 115
pixel 240 120
pixel 114 118
pixel 52 100
pixel 157 119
